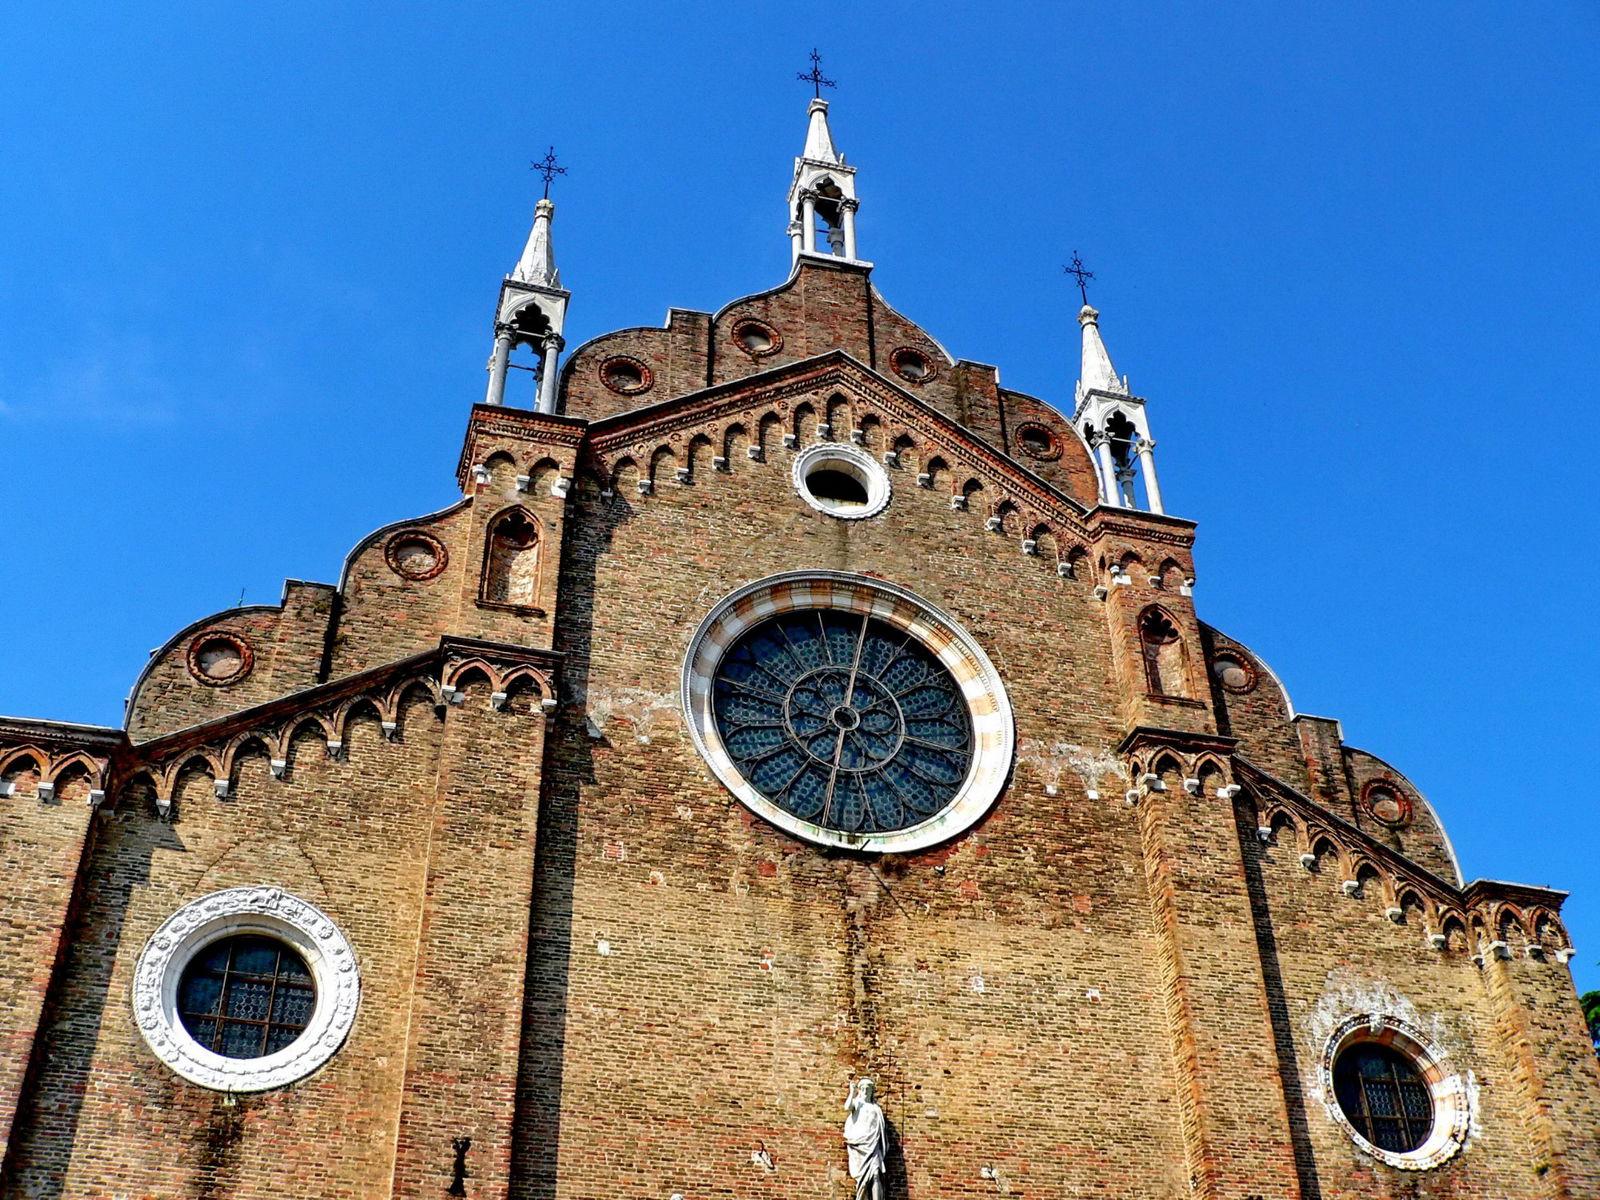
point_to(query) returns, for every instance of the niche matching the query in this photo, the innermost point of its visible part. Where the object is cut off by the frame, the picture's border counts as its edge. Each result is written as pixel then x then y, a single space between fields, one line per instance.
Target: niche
pixel 511 560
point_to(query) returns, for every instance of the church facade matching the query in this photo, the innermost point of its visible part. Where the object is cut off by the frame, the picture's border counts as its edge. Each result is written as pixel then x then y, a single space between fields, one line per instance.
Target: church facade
pixel 785 704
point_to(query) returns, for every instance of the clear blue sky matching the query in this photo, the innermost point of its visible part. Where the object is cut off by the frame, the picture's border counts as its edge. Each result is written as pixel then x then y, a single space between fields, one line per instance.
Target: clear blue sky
pixel 248 257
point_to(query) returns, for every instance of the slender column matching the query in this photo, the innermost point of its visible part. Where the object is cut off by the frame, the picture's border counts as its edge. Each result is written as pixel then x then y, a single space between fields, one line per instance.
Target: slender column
pixel 848 209
pixel 794 240
pixel 497 365
pixel 1108 470
pixel 808 223
pixel 547 374
pixel 1147 463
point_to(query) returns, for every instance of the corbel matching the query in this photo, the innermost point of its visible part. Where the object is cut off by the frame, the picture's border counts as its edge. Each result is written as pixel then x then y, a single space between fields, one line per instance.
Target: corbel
pixel 221 787
pixel 682 474
pixel 1030 546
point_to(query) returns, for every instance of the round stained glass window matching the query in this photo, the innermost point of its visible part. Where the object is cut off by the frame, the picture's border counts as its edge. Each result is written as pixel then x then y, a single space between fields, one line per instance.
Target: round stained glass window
pixel 848 712
pixel 246 997
pixel 843 720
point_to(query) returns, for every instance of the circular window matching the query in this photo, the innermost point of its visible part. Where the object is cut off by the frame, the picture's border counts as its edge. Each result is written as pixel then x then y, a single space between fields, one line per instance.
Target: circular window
pixel 1233 672
pixel 841 480
pixel 246 996
pixel 912 365
pixel 415 555
pixel 625 375
pixel 246 989
pixel 1386 803
pixel 848 712
pixel 218 658
pixel 757 338
pixel 1392 1092
pixel 1037 441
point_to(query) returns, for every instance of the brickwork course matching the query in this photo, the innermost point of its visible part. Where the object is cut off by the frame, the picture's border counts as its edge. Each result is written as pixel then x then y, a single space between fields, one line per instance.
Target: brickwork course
pixel 589 971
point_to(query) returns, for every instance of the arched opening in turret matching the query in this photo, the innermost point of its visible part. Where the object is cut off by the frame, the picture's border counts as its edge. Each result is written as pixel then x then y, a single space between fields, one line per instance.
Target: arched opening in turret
pixel 827 217
pixel 530 331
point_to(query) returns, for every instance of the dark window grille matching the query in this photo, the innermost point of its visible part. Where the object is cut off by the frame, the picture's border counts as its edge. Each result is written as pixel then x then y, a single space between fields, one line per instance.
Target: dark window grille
pixel 1384 1096
pixel 843 720
pixel 246 996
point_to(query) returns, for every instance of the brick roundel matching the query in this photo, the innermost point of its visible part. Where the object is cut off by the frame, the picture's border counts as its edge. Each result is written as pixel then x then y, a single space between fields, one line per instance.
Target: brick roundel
pixel 749 329
pixel 219 657
pixel 1375 791
pixel 626 375
pixel 913 365
pixel 415 555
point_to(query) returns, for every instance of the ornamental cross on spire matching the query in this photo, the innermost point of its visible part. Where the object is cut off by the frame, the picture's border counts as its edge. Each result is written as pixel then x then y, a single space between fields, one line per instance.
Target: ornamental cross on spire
pixel 546 166
pixel 814 76
pixel 1083 276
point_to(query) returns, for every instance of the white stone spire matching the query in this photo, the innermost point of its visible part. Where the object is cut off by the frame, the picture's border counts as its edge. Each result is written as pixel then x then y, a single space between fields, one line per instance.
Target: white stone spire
pixel 822 195
pixel 1096 371
pixel 819 138
pixel 532 309
pixel 1113 421
pixel 538 262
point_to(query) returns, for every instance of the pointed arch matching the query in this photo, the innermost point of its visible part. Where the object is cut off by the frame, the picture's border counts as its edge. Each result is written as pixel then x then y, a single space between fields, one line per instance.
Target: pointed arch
pixel 839 416
pixel 1166 657
pixel 698 458
pixel 735 446
pixel 511 560
pixel 804 423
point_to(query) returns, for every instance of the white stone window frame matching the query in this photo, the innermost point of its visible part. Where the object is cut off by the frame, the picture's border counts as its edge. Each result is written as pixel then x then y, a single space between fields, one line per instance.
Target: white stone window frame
pixel 1454 1093
pixel 993 725
pixel 270 912
pixel 852 461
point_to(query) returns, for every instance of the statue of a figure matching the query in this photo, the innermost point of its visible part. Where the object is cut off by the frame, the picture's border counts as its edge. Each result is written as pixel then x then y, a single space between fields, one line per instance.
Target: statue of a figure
pixel 866 1139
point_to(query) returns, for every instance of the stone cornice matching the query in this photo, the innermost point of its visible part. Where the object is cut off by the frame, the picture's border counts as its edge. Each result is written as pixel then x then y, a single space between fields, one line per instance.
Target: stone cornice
pixel 491 421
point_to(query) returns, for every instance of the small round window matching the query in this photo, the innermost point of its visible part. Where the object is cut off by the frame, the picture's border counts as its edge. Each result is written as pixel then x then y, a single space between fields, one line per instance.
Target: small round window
pixel 217 659
pixel 1386 804
pixel 841 481
pixel 1036 441
pixel 1233 673
pixel 415 555
pixel 625 375
pixel 757 338
pixel 912 365
pixel 246 997
pixel 1383 1095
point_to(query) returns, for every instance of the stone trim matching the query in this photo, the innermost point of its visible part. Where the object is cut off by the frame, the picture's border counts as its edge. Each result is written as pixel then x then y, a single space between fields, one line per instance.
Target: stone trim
pixel 994 732
pixel 266 910
pixel 1455 1094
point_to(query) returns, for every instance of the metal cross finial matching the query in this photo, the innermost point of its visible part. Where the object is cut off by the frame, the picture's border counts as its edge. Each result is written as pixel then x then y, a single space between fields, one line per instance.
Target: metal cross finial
pixel 1083 276
pixel 546 166
pixel 814 76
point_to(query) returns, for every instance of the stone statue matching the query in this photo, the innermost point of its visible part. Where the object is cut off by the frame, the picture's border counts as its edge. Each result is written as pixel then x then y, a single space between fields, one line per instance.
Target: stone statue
pixel 866 1139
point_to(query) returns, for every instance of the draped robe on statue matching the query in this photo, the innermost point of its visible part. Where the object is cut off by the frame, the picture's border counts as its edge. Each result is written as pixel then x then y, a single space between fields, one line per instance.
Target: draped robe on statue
pixel 865 1141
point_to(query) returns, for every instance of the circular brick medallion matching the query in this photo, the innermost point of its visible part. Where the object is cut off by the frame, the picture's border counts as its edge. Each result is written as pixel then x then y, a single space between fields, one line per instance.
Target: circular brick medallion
pixel 912 365
pixel 267 912
pixel 1387 803
pixel 1038 441
pixel 220 657
pixel 1233 671
pixel 415 555
pixel 756 338
pixel 626 375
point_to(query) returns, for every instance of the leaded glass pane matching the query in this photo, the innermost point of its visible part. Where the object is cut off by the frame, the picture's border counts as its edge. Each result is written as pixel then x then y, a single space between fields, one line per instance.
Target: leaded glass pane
pixel 843 721
pixel 1383 1095
pixel 246 996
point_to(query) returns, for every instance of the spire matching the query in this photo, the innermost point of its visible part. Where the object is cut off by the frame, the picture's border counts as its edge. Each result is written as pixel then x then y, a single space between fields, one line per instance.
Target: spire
pixel 1112 419
pixel 1096 373
pixel 538 262
pixel 533 304
pixel 819 138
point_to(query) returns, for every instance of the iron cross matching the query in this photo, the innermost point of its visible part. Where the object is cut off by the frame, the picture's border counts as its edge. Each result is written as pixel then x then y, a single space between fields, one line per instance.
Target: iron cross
pixel 546 166
pixel 814 77
pixel 1082 275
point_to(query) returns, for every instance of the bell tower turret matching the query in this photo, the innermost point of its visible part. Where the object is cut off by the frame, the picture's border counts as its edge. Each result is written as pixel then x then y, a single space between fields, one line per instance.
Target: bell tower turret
pixel 533 305
pixel 822 195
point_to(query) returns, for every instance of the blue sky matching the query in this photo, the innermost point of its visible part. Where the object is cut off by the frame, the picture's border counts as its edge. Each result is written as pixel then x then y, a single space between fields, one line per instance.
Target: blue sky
pixel 248 256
